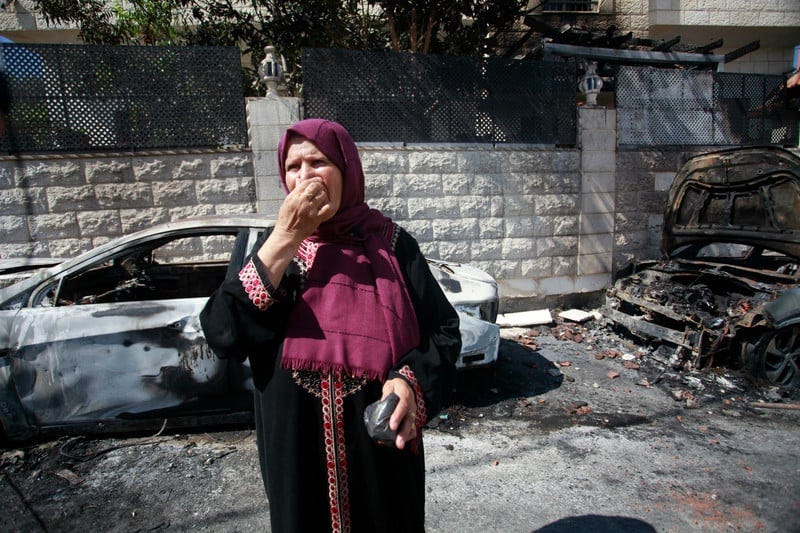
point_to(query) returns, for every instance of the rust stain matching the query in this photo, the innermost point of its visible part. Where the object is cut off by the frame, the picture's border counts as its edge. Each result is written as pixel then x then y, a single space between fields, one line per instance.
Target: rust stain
pixel 712 514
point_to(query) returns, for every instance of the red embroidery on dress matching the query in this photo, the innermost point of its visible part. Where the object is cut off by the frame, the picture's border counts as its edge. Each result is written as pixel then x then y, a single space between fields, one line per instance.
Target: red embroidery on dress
pixel 335 452
pixel 422 414
pixel 307 252
pixel 254 287
pixel 304 258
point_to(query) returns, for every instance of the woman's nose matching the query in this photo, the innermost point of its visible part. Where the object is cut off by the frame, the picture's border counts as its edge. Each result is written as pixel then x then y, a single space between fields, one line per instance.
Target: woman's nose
pixel 305 172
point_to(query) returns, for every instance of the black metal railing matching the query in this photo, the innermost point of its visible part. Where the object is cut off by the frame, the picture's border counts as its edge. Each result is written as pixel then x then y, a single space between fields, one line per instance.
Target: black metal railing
pixel 693 107
pixel 72 98
pixel 403 97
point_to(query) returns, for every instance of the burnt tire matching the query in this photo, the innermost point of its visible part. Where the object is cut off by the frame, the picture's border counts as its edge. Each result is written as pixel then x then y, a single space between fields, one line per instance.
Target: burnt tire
pixel 775 357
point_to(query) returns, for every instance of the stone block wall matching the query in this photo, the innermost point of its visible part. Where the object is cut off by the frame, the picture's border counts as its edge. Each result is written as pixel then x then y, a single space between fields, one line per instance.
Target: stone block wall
pixel 267 119
pixel 62 206
pixel 731 13
pixel 512 212
pixel 547 223
pixel 540 220
pixel 643 178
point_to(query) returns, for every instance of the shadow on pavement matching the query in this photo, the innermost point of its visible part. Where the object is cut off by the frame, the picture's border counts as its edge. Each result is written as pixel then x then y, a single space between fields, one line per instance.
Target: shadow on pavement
pixel 519 372
pixel 597 524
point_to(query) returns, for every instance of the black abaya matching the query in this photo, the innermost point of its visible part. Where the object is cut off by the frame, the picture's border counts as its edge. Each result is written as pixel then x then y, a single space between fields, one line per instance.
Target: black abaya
pixel 321 470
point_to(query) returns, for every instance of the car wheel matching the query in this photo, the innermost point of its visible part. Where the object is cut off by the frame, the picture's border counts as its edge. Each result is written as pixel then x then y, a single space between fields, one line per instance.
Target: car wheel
pixel 775 356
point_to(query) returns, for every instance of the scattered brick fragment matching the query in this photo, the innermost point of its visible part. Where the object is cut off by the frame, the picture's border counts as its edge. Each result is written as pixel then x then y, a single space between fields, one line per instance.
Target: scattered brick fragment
pixel 579 408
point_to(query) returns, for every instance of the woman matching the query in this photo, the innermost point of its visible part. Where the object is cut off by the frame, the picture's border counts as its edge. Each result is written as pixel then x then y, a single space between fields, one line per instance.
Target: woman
pixel 336 309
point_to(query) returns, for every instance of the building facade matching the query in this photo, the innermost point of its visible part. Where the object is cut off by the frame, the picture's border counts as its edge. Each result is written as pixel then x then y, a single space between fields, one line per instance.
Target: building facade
pixel 775 24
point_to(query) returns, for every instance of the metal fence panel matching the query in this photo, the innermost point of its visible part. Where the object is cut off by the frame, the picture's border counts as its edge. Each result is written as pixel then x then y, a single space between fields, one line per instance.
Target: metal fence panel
pixel 110 98
pixel 403 97
pixel 686 107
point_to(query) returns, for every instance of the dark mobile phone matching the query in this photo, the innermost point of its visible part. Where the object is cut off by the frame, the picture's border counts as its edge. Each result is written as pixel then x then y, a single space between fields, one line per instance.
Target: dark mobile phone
pixel 376 420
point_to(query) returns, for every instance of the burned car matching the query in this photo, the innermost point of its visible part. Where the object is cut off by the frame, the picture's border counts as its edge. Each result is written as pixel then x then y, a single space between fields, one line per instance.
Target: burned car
pixel 473 293
pixel 111 340
pixel 727 291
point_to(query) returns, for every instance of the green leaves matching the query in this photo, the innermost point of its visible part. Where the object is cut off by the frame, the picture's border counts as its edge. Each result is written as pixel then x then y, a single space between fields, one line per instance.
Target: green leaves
pixel 456 27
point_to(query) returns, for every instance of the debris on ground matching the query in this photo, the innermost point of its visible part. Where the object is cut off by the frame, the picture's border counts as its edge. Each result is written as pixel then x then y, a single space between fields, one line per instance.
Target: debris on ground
pixel 576 315
pixel 579 408
pixel 786 406
pixel 524 318
pixel 654 362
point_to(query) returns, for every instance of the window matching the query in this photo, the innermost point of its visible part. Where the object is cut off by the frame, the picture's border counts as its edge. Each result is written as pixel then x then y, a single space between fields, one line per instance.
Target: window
pixel 583 6
pixel 181 266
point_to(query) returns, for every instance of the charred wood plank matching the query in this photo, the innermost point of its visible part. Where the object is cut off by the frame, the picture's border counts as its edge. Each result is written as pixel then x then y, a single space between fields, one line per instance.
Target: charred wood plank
pixel 707 48
pixel 744 50
pixel 649 329
pixel 783 406
pixel 666 46
pixel 649 306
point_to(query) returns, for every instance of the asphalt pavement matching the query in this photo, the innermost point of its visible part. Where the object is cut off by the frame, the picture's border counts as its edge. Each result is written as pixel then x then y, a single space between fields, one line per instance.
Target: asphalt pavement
pixel 572 432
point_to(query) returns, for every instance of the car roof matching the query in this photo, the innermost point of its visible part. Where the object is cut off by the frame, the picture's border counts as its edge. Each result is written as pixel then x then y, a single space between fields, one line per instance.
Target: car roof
pixel 748 196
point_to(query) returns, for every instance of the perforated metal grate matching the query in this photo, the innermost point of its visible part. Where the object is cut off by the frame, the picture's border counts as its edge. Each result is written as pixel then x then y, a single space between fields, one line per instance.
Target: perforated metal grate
pixel 684 107
pixel 402 97
pixel 100 98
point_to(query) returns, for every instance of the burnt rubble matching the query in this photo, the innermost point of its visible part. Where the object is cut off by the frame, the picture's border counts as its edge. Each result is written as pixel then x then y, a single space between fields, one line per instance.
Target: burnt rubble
pixel 560 354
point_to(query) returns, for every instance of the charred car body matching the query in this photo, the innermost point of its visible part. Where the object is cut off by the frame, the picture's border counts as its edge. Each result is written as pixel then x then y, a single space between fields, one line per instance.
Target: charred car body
pixel 728 289
pixel 111 340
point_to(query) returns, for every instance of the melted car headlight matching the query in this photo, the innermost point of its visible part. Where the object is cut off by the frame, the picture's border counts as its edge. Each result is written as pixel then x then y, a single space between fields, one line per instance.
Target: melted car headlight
pixel 485 311
pixel 471 310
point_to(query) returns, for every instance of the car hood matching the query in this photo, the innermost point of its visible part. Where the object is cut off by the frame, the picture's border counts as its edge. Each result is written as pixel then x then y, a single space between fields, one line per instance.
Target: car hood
pixel 748 196
pixel 463 284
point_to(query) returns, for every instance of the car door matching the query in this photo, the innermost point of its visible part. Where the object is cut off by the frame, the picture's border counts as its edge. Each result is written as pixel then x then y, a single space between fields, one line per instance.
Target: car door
pixel 120 338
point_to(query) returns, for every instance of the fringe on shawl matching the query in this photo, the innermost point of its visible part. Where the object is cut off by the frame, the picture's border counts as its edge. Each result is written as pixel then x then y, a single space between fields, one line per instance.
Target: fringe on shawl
pixel 320 366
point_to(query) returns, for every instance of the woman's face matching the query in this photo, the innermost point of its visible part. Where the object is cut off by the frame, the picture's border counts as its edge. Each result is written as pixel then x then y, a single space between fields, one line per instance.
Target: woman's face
pixel 305 162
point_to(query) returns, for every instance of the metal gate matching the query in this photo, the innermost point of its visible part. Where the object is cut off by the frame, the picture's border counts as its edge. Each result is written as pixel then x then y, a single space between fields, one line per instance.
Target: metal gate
pixel 404 97
pixel 102 98
pixel 688 107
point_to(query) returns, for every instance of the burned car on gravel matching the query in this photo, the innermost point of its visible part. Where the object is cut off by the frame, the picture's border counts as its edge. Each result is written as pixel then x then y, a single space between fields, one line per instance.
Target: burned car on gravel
pixel 728 289
pixel 111 340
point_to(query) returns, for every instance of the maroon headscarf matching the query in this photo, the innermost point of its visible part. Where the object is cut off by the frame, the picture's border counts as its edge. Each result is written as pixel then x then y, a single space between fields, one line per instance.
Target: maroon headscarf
pixel 354 313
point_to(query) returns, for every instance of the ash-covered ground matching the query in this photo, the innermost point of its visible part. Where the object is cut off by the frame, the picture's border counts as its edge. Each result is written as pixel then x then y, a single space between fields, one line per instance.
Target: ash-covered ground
pixel 577 428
